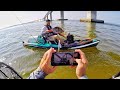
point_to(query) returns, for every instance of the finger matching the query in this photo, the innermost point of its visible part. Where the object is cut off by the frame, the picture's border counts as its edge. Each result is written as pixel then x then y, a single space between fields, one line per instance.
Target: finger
pixel 44 58
pixel 49 55
pixel 81 52
pixel 82 56
pixel 53 50
pixel 47 60
pixel 78 61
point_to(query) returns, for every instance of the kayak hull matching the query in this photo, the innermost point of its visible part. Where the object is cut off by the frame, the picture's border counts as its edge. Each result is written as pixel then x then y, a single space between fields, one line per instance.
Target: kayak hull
pixel 33 43
pixel 86 45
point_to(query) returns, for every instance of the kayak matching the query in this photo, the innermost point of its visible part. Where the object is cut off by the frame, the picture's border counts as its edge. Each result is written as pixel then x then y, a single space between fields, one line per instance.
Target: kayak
pixel 39 42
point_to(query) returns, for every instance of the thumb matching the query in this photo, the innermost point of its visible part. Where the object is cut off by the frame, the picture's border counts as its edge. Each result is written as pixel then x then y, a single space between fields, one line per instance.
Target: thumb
pixel 78 61
pixel 53 68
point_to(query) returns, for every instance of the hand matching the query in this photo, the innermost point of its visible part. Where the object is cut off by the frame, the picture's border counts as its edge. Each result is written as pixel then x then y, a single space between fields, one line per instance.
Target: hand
pixel 45 63
pixel 49 30
pixel 82 64
pixel 61 34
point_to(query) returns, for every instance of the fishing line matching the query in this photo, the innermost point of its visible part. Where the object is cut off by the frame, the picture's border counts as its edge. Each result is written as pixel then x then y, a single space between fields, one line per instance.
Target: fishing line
pixel 24 27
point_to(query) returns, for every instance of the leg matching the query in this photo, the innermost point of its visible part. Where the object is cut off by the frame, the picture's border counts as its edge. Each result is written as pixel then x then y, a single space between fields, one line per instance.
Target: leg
pixel 58 38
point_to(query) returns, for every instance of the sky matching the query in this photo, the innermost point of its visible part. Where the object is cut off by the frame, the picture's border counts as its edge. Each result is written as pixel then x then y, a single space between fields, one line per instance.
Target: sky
pixel 8 18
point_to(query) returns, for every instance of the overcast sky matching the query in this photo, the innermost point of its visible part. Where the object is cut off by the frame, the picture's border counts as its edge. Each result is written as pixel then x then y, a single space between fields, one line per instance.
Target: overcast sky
pixel 8 18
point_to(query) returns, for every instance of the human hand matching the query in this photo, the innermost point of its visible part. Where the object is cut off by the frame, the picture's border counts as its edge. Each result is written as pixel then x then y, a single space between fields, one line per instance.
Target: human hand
pixel 49 30
pixel 45 64
pixel 62 34
pixel 82 64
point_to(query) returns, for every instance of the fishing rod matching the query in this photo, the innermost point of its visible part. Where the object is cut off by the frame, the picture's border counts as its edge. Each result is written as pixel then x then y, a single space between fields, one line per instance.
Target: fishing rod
pixel 25 28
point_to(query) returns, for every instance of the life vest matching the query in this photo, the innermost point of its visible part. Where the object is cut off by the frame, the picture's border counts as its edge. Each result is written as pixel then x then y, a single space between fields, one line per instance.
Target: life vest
pixel 48 34
pixel 48 27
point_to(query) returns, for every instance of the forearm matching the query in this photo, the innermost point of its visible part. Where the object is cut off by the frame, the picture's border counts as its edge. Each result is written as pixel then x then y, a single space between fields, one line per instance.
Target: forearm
pixel 37 74
pixel 49 30
pixel 62 35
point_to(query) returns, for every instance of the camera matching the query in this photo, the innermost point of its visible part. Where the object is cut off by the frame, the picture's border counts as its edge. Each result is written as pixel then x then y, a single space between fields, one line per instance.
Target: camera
pixel 64 58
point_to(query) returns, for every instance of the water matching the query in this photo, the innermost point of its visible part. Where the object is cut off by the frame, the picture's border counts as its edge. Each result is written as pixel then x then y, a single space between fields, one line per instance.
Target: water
pixel 104 60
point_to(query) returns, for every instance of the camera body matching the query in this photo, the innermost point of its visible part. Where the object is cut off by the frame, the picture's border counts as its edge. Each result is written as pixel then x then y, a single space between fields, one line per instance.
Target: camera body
pixel 64 58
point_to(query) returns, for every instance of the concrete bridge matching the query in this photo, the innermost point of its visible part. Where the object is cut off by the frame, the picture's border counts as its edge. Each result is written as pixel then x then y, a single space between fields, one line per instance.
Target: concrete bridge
pixel 91 17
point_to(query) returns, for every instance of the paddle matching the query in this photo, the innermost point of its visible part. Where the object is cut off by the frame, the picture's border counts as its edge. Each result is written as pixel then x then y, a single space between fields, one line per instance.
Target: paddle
pixel 59 46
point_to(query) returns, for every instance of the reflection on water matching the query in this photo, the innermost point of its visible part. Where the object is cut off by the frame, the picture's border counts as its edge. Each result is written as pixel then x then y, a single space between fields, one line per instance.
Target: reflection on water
pixel 62 23
pixel 91 28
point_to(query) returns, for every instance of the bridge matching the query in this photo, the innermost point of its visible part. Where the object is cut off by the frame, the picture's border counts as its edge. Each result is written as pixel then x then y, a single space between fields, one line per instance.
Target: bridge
pixel 91 17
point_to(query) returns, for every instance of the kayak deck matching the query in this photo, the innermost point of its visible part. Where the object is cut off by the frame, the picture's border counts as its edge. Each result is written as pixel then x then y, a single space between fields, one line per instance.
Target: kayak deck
pixel 76 45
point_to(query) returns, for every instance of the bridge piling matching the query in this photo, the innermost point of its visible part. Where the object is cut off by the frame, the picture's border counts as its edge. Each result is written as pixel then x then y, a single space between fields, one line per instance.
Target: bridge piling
pixel 92 17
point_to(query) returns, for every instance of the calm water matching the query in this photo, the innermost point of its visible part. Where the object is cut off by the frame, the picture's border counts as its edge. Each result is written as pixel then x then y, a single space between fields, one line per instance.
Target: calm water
pixel 104 60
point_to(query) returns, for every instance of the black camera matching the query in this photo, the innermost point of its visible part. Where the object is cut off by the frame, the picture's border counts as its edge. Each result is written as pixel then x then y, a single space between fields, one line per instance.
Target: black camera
pixel 64 58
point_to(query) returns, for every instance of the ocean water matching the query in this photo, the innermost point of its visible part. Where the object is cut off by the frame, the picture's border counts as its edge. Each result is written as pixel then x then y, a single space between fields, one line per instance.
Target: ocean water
pixel 104 60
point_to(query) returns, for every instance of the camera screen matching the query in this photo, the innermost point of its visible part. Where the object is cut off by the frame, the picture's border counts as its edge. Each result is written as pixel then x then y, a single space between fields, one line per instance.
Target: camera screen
pixel 63 58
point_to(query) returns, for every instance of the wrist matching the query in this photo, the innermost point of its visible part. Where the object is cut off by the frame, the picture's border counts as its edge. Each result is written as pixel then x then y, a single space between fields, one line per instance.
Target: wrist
pixel 38 74
pixel 83 77
pixel 80 74
pixel 41 72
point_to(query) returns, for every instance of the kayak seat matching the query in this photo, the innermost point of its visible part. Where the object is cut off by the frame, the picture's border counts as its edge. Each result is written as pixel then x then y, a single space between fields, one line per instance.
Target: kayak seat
pixel 41 39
